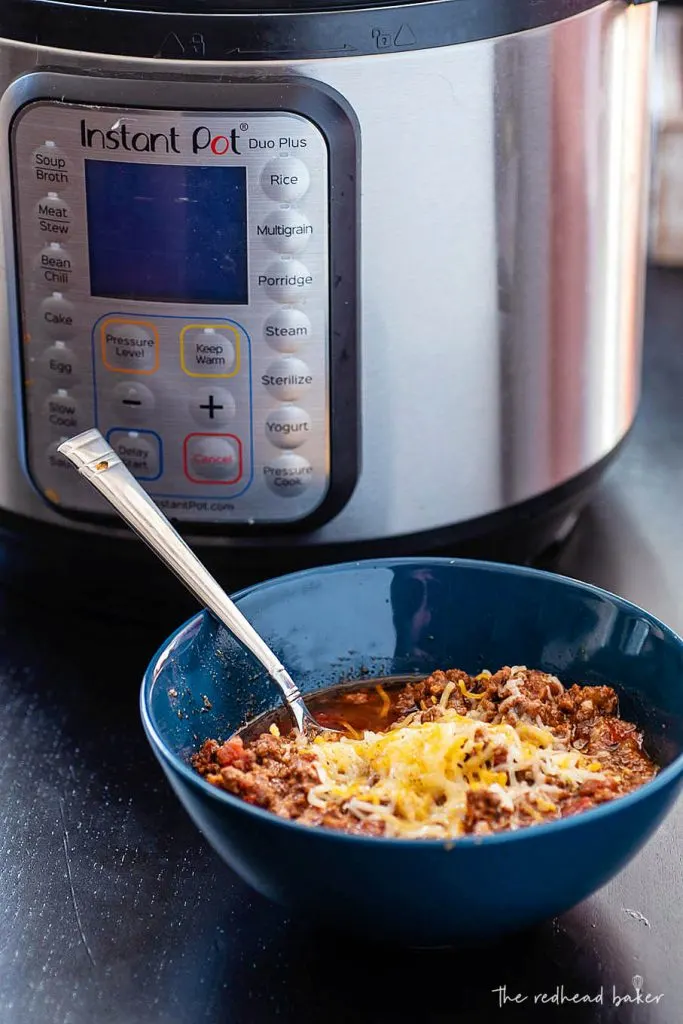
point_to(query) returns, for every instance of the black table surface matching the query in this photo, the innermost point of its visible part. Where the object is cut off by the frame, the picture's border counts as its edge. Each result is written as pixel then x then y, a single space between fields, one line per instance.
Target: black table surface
pixel 113 910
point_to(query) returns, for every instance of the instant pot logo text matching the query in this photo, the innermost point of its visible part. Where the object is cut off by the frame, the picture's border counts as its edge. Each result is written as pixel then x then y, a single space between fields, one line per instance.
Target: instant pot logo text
pixel 121 136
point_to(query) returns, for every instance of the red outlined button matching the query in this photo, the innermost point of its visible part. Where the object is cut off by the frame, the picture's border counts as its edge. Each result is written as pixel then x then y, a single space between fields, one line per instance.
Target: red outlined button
pixel 212 458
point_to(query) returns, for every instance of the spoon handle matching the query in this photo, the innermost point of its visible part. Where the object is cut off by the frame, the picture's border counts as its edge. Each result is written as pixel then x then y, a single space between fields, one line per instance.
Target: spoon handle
pixel 101 466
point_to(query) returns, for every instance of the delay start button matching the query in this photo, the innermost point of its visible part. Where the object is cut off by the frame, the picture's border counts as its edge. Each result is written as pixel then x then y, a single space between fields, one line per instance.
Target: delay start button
pixel 129 346
pixel 213 458
pixel 288 475
pixel 139 450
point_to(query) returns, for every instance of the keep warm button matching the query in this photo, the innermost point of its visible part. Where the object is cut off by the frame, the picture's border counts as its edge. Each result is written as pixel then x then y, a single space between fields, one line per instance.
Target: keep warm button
pixel 139 450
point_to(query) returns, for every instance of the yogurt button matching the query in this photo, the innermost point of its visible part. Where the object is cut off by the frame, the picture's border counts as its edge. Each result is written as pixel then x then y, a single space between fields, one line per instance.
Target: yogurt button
pixel 288 475
pixel 287 329
pixel 285 231
pixel 285 178
pixel 62 411
pixel 57 316
pixel 286 281
pixel 287 378
pixel 59 363
pixel 288 426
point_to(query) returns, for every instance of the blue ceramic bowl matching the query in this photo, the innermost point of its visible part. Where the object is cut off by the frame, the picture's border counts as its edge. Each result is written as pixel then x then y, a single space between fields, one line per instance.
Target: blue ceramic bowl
pixel 402 616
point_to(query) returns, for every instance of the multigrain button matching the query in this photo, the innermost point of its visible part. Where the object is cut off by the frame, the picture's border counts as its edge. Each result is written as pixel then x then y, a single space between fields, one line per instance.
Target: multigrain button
pixel 211 406
pixel 53 216
pixel 129 346
pixel 288 475
pixel 213 458
pixel 54 266
pixel 288 426
pixel 132 401
pixel 286 281
pixel 285 178
pixel 62 411
pixel 60 364
pixel 287 330
pixel 50 164
pixel 57 316
pixel 139 450
pixel 285 230
pixel 287 378
pixel 208 352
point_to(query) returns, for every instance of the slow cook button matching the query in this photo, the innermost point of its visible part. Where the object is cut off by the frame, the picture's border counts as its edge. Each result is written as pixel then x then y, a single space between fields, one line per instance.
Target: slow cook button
pixel 62 411
pixel 285 231
pixel 53 216
pixel 129 346
pixel 54 266
pixel 287 330
pixel 57 316
pixel 286 179
pixel 286 281
pixel 288 426
pixel 139 450
pixel 59 363
pixel 287 378
pixel 288 475
pixel 213 458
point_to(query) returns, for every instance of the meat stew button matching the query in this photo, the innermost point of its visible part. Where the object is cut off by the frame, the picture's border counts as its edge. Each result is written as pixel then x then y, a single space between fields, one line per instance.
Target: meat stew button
pixel 288 475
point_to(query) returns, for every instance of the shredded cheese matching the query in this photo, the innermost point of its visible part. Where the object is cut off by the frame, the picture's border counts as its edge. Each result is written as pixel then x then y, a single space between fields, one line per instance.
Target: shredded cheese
pixel 416 777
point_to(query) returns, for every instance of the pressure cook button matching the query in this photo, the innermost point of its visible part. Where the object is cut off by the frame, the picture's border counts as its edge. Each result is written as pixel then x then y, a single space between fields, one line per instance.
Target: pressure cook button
pixel 285 178
pixel 129 346
pixel 54 266
pixel 53 216
pixel 57 315
pixel 208 352
pixel 285 230
pixel 288 426
pixel 63 411
pixel 287 330
pixel 216 458
pixel 140 451
pixel 288 475
pixel 287 378
pixel 132 401
pixel 286 281
pixel 50 164
pixel 212 406
pixel 60 363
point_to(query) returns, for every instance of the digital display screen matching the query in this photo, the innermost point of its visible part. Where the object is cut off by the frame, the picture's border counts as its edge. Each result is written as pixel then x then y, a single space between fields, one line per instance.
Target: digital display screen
pixel 164 233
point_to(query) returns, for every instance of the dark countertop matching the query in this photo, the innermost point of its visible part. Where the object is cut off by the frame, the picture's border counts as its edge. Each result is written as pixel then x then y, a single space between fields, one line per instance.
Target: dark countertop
pixel 113 910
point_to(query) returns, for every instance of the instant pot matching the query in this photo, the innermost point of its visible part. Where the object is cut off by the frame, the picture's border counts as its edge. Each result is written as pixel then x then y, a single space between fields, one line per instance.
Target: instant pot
pixel 332 277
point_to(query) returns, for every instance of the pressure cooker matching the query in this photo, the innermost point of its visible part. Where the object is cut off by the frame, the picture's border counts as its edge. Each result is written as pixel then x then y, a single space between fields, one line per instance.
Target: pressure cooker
pixel 331 277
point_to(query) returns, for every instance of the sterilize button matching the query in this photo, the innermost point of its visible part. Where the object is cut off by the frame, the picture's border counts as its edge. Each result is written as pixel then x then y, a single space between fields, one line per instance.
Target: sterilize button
pixel 286 230
pixel 50 164
pixel 288 475
pixel 286 281
pixel 129 346
pixel 60 363
pixel 63 411
pixel 285 178
pixel 57 315
pixel 132 401
pixel 287 330
pixel 53 216
pixel 213 458
pixel 212 406
pixel 54 266
pixel 287 378
pixel 288 426
pixel 139 450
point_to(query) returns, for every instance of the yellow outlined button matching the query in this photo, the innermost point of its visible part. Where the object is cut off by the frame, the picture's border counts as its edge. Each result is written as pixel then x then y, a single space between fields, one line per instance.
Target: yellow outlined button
pixel 215 329
pixel 129 345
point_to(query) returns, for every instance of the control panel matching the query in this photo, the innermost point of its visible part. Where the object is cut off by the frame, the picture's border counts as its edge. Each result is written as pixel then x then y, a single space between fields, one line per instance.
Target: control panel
pixel 173 281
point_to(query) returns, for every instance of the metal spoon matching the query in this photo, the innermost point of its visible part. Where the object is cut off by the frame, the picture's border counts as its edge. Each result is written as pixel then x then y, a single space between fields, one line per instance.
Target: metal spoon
pixel 96 460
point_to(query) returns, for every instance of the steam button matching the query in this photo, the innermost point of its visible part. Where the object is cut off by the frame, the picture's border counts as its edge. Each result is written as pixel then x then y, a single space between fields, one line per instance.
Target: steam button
pixel 287 330
pixel 286 179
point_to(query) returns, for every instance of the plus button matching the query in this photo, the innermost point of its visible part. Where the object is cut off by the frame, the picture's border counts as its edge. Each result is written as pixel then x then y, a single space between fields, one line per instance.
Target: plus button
pixel 211 407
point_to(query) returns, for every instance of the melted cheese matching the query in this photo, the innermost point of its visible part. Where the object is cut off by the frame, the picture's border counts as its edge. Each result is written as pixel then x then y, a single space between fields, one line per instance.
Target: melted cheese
pixel 416 777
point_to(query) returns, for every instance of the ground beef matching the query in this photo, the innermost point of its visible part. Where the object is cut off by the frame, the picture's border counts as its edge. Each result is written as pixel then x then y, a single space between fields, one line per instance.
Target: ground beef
pixel 273 772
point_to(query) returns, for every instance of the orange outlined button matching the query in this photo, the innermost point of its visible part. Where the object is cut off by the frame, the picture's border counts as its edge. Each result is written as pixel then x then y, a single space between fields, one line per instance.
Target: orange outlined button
pixel 129 346
pixel 210 350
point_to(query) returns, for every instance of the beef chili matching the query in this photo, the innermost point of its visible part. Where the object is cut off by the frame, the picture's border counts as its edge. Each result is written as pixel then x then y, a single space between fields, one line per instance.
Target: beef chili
pixel 440 757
